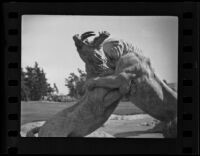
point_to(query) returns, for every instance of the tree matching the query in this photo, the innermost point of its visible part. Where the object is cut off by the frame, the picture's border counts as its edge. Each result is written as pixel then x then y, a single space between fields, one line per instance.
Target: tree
pixel 36 82
pixel 80 84
pixel 75 84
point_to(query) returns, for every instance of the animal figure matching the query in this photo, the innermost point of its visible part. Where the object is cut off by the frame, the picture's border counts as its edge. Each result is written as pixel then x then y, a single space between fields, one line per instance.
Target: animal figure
pixel 115 68
pixel 147 91
pixel 95 107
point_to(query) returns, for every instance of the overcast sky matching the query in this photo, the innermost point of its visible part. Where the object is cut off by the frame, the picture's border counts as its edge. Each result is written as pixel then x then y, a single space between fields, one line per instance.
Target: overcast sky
pixel 47 39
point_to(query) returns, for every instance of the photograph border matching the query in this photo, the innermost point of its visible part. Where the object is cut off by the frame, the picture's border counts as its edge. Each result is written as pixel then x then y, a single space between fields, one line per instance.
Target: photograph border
pixel 188 64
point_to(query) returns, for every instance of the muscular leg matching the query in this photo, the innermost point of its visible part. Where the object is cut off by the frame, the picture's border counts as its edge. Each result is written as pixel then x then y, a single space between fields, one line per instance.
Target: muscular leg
pixel 112 81
pixel 112 97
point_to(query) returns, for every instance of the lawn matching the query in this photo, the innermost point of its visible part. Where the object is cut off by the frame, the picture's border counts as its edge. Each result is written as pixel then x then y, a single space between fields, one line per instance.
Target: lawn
pixel 40 110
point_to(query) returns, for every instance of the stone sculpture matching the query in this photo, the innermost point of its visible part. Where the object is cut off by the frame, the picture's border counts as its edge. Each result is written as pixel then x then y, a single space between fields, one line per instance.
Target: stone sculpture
pixel 147 91
pixel 114 68
pixel 95 107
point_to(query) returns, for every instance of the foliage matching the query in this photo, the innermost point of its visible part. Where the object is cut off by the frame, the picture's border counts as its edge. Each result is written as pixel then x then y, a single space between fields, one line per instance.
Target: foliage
pixel 34 85
pixel 75 84
pixel 59 98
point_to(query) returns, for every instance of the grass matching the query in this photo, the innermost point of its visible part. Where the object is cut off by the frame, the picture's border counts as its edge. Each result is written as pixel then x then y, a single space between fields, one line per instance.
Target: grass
pixel 39 110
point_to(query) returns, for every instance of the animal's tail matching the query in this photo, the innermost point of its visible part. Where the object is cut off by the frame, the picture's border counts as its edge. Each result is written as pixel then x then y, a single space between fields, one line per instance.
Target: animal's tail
pixel 32 132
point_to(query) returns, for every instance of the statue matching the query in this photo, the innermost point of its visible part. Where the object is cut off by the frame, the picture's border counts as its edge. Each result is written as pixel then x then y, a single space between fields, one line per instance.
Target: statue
pixel 147 91
pixel 95 107
pixel 114 68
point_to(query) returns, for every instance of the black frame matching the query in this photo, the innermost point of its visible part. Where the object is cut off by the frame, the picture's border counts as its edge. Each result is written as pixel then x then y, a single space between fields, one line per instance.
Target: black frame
pixel 188 100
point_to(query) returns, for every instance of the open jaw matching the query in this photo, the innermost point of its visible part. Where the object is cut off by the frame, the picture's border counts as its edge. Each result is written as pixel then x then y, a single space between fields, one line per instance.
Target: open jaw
pixel 147 91
pixel 94 108
pixel 81 40
pixel 92 53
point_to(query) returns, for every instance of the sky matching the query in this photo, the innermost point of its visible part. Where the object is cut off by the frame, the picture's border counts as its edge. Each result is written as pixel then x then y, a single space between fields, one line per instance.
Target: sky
pixel 47 39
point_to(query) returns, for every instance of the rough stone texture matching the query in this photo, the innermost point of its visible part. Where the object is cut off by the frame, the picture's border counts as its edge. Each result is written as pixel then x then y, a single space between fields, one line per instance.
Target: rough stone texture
pixel 92 53
pixel 129 73
pixel 95 107
pixel 147 91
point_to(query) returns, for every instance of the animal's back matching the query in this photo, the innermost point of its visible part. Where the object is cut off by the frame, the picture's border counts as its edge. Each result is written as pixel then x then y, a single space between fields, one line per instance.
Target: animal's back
pixel 126 61
pixel 116 48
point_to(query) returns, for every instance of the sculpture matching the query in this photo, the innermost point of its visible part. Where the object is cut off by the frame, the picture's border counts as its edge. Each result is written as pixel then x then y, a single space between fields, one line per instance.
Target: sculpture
pixel 114 68
pixel 95 107
pixel 147 91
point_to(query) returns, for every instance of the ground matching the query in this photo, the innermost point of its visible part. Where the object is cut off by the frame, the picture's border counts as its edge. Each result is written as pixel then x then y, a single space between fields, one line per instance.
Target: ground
pixel 126 121
pixel 38 110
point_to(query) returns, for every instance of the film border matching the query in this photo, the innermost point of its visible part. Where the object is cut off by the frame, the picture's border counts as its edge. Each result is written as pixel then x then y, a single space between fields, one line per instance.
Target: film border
pixel 186 142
